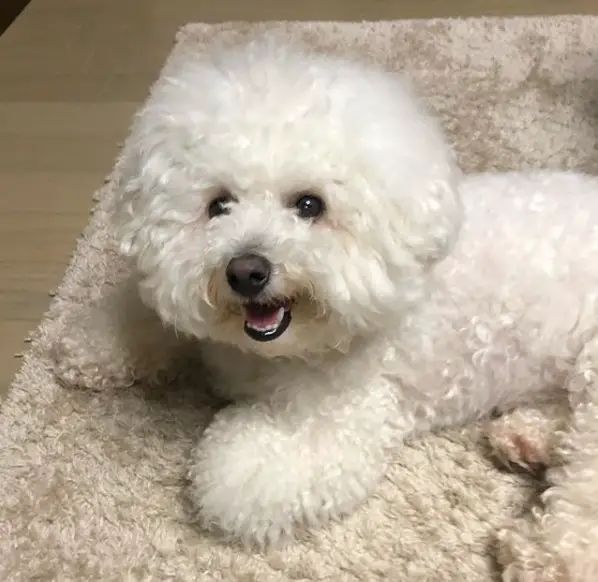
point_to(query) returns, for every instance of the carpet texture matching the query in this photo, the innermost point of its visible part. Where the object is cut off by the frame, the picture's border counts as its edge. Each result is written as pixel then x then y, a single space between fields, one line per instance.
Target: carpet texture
pixel 92 484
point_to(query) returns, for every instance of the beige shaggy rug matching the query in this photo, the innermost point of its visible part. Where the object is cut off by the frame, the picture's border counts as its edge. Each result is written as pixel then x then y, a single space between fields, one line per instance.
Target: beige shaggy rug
pixel 92 483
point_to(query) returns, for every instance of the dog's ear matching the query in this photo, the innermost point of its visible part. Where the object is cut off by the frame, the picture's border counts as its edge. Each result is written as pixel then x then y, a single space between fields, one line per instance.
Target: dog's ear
pixel 126 220
pixel 433 216
pixel 411 164
pixel 145 171
pixel 423 213
pixel 157 153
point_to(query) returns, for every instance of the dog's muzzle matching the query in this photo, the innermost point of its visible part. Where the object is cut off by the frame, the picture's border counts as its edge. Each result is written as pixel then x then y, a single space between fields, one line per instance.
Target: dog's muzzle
pixel 248 275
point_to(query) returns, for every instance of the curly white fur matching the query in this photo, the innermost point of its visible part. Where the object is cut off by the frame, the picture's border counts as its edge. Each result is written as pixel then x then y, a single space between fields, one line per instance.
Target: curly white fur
pixel 390 336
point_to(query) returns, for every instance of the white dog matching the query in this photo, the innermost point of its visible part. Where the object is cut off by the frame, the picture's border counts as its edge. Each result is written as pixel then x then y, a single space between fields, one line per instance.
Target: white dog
pixel 302 217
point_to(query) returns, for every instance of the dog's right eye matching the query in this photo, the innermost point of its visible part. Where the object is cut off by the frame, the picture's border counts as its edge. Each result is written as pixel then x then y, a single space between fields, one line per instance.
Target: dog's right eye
pixel 310 206
pixel 220 205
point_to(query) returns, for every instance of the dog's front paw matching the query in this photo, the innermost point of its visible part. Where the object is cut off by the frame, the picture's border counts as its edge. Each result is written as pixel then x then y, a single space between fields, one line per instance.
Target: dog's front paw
pixel 91 350
pixel 112 343
pixel 77 362
pixel 244 478
pixel 256 479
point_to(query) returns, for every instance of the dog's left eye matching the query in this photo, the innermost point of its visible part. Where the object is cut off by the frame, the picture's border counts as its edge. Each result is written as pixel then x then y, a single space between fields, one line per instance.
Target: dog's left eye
pixel 220 205
pixel 310 206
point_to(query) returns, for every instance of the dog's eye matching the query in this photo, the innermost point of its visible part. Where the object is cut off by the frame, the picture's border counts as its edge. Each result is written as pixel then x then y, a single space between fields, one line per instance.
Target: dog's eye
pixel 310 206
pixel 220 205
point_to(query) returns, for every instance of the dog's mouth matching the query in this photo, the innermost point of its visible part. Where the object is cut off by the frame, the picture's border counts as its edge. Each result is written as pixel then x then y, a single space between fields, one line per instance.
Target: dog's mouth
pixel 265 322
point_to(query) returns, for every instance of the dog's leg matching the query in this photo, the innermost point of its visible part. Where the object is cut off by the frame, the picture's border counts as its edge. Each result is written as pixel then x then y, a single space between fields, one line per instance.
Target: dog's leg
pixel 561 542
pixel 112 343
pixel 306 456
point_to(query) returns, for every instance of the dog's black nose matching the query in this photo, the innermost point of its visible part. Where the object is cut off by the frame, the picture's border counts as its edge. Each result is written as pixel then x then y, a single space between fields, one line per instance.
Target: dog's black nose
pixel 248 274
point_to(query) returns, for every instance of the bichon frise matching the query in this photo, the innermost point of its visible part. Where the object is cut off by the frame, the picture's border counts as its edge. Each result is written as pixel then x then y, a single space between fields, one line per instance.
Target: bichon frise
pixel 301 217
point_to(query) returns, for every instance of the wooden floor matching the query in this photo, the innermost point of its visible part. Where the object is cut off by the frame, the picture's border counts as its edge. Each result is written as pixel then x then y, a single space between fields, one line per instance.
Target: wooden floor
pixel 71 74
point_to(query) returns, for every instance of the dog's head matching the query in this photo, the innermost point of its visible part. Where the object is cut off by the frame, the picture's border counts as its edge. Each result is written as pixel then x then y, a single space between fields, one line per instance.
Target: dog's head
pixel 284 202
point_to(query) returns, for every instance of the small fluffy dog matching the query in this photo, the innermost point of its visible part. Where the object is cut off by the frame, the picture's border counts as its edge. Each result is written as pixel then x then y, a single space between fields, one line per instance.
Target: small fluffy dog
pixel 302 218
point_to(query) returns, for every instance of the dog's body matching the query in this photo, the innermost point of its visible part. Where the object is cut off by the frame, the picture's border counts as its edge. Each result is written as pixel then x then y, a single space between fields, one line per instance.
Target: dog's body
pixel 508 313
pixel 302 219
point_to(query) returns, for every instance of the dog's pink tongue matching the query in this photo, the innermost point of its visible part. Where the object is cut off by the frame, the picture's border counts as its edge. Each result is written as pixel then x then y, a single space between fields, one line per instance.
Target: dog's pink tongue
pixel 262 316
